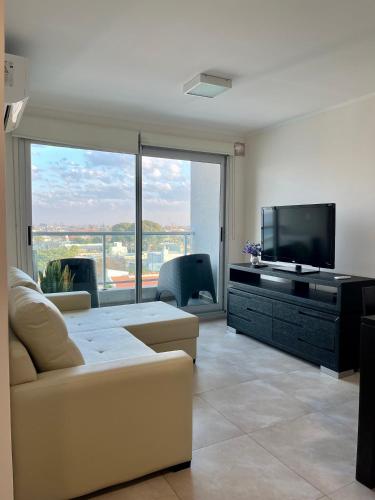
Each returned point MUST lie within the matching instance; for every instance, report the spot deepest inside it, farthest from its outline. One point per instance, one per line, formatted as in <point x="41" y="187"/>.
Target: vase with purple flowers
<point x="254" y="250"/>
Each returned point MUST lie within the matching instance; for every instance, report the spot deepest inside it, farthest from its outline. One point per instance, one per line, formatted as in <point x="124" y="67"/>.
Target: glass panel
<point x="181" y="216"/>
<point x="83" y="205"/>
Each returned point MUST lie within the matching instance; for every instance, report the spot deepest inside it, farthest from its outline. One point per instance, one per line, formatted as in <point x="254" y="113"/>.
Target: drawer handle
<point x="314" y="317"/>
<point x="248" y="320"/>
<point x="288" y="322"/>
<point x="314" y="345"/>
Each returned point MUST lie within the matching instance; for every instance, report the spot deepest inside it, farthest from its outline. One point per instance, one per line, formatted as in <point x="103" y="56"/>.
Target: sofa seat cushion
<point x="16" y="277"/>
<point x="109" y="344"/>
<point x="41" y="328"/>
<point x="150" y="322"/>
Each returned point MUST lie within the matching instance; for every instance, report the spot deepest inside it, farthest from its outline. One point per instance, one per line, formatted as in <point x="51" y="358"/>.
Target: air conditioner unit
<point x="15" y="90"/>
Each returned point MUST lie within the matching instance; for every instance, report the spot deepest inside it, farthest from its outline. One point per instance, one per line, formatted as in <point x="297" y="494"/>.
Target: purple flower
<point x="254" y="249"/>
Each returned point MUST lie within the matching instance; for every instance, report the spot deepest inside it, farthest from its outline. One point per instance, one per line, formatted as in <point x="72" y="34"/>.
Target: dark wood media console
<point x="313" y="316"/>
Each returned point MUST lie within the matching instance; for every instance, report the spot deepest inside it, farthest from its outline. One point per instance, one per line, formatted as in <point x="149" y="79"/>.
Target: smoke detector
<point x="207" y="85"/>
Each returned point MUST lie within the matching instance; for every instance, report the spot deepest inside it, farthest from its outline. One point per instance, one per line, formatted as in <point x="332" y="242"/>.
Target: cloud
<point x="155" y="173"/>
<point x="101" y="186"/>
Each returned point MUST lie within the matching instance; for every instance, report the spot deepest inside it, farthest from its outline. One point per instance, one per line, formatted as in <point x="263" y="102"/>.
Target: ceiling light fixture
<point x="207" y="85"/>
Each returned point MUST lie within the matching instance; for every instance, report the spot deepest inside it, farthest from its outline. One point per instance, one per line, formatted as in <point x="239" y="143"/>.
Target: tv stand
<point x="297" y="270"/>
<point x="313" y="316"/>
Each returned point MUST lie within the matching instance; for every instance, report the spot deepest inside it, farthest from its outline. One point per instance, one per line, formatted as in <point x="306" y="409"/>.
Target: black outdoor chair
<point x="184" y="277"/>
<point x="84" y="271"/>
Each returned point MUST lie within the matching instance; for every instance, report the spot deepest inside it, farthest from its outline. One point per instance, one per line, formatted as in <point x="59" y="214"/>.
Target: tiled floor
<point x="267" y="426"/>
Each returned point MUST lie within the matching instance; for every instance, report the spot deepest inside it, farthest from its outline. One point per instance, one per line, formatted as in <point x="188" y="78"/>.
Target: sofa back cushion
<point x="41" y="327"/>
<point x="21" y="367"/>
<point x="16" y="277"/>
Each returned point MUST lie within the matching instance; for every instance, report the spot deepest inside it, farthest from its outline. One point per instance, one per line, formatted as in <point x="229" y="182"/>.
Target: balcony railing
<point x="103" y="247"/>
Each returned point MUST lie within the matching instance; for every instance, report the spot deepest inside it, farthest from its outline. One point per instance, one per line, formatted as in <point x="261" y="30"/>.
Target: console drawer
<point x="258" y="326"/>
<point x="313" y="335"/>
<point x="246" y="305"/>
<point x="318" y="332"/>
<point x="294" y="313"/>
<point x="286" y="312"/>
<point x="285" y="333"/>
<point x="294" y="339"/>
<point x="315" y="327"/>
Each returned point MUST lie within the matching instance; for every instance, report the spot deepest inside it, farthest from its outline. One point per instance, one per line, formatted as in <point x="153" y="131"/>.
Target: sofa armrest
<point x="84" y="428"/>
<point x="70" y="301"/>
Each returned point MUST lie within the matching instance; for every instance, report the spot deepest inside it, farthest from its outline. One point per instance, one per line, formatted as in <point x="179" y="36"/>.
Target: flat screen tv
<point x="301" y="234"/>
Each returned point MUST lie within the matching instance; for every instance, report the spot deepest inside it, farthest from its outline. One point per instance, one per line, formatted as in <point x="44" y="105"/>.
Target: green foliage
<point x="124" y="226"/>
<point x="55" y="279"/>
<point x="147" y="225"/>
<point x="44" y="255"/>
<point x="149" y="242"/>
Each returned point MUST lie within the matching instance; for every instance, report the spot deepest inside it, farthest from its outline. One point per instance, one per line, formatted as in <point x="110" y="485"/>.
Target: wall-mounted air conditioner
<point x="15" y="90"/>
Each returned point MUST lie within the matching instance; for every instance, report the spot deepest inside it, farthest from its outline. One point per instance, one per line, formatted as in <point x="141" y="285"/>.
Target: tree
<point x="149" y="242"/>
<point x="124" y="227"/>
<point x="147" y="226"/>
<point x="45" y="255"/>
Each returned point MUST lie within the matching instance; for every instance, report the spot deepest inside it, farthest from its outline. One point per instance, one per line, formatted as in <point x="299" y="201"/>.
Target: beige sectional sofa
<point x="119" y="411"/>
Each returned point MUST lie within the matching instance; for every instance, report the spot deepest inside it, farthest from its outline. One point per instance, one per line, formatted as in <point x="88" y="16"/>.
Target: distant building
<point x="119" y="249"/>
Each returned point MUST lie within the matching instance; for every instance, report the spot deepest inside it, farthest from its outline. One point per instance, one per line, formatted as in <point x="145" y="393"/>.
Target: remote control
<point x="341" y="277"/>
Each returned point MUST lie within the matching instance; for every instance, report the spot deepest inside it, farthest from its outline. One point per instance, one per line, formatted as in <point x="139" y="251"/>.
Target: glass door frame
<point x="24" y="155"/>
<point x="24" y="217"/>
<point x="199" y="157"/>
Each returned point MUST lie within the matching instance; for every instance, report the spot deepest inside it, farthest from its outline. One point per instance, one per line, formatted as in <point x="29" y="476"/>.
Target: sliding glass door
<point x="83" y="206"/>
<point x="138" y="218"/>
<point x="182" y="216"/>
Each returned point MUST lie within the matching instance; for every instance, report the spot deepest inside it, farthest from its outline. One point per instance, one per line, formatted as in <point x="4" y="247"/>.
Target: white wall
<point x="329" y="157"/>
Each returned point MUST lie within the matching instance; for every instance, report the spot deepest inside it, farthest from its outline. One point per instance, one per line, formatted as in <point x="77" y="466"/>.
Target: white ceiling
<point x="129" y="58"/>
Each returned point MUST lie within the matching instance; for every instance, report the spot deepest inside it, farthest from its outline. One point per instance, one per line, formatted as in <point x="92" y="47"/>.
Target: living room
<point x="164" y="341"/>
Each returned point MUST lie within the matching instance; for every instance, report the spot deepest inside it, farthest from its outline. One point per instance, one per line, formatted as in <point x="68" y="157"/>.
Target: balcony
<point x="114" y="253"/>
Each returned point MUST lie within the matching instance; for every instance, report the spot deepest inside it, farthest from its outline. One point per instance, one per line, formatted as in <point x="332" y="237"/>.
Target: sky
<point x="78" y="187"/>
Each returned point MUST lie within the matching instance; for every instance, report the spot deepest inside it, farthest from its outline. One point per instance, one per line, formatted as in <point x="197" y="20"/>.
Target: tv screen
<point x="303" y="234"/>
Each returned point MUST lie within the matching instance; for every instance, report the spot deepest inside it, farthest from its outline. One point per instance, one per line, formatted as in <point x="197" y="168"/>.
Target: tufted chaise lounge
<point x="156" y="324"/>
<point x="125" y="412"/>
